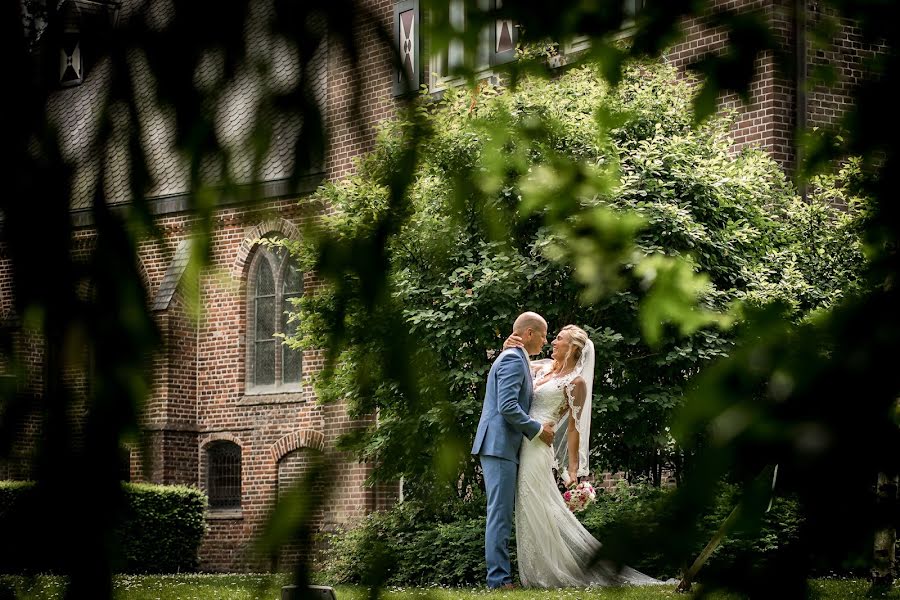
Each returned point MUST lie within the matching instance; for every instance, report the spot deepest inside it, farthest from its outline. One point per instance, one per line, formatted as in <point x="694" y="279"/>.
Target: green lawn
<point x="267" y="587"/>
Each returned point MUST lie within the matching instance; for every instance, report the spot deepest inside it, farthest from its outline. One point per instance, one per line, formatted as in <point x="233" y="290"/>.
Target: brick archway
<point x="302" y="438"/>
<point x="294" y="459"/>
<point x="252" y="237"/>
<point x="221" y="437"/>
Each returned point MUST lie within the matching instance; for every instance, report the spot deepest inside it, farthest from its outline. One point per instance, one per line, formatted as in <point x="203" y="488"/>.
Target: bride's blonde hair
<point x="578" y="339"/>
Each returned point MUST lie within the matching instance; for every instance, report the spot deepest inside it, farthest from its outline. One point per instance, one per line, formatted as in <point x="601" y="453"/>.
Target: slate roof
<point x="75" y="112"/>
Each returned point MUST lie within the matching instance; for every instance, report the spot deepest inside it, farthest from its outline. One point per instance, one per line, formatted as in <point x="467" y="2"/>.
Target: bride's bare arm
<point x="513" y="341"/>
<point x="579" y="392"/>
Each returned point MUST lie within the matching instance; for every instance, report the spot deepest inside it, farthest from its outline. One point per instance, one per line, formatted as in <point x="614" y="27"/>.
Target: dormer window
<point x="71" y="63"/>
<point x="82" y="21"/>
<point x="496" y="46"/>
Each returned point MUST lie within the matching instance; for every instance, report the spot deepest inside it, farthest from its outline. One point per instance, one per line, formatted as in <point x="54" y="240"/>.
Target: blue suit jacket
<point x="504" y="416"/>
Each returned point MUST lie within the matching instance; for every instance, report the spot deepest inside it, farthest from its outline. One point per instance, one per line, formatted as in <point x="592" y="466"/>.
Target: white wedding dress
<point x="554" y="549"/>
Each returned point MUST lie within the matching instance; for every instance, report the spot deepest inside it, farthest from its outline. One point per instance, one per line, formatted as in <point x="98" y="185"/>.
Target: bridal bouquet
<point x="579" y="497"/>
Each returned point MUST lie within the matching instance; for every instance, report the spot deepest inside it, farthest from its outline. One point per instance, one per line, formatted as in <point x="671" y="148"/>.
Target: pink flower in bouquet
<point x="580" y="497"/>
<point x="588" y="490"/>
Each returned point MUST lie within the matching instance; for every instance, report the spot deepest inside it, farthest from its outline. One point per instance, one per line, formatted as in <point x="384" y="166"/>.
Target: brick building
<point x="232" y="410"/>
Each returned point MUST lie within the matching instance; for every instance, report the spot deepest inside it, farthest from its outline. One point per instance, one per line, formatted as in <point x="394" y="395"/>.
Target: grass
<point x="268" y="587"/>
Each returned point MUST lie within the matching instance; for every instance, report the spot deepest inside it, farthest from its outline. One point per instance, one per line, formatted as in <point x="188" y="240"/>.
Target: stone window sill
<point x="223" y="514"/>
<point x="276" y="395"/>
<point x="439" y="85"/>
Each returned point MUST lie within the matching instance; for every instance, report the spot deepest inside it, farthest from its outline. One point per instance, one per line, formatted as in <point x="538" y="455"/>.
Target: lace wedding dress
<point x="554" y="549"/>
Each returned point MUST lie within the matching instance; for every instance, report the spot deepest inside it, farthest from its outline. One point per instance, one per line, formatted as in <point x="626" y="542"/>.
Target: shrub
<point x="411" y="545"/>
<point x="404" y="547"/>
<point x="637" y="510"/>
<point x="159" y="530"/>
<point x="162" y="528"/>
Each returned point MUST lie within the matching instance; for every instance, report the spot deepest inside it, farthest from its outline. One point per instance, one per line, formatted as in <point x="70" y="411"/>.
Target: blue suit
<point x="504" y="420"/>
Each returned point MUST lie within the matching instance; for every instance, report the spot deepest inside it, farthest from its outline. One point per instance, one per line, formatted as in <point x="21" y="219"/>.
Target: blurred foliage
<point x="97" y="348"/>
<point x="816" y="397"/>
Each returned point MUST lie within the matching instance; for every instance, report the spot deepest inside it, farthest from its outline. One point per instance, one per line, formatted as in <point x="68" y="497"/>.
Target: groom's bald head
<point x="532" y="328"/>
<point x="529" y="319"/>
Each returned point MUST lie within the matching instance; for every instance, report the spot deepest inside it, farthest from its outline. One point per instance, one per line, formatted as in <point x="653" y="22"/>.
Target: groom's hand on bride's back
<point x="546" y="433"/>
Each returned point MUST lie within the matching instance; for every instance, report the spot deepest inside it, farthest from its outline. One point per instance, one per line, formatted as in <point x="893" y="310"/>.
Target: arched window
<point x="223" y="475"/>
<point x="274" y="280"/>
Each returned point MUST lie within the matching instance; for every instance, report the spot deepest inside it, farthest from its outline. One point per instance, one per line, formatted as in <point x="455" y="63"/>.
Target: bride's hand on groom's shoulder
<point x="513" y="341"/>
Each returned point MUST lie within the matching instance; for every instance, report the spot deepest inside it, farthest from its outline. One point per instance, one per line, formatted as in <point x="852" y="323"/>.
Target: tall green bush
<point x="160" y="528"/>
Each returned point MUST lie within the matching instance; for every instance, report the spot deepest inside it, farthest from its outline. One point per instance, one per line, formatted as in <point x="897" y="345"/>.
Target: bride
<point x="554" y="549"/>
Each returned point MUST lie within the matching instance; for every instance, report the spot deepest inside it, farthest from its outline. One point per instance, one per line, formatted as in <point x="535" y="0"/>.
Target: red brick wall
<point x="28" y="348"/>
<point x="201" y="393"/>
<point x="352" y="135"/>
<point x="767" y="121"/>
<point x="846" y="52"/>
<point x="258" y="422"/>
<point x="217" y="402"/>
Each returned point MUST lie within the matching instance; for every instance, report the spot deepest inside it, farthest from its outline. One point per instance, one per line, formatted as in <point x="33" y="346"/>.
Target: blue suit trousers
<point x="500" y="484"/>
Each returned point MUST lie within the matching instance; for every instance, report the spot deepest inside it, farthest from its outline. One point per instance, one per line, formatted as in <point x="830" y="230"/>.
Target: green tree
<point x="677" y="200"/>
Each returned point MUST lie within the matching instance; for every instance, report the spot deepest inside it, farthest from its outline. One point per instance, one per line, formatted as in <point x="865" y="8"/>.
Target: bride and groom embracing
<point x="526" y="404"/>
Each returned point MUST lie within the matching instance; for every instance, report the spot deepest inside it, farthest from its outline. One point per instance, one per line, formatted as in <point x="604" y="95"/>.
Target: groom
<point x="504" y="419"/>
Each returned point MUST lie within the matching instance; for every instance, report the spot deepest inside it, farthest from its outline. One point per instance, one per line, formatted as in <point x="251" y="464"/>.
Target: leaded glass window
<point x="293" y="289"/>
<point x="275" y="281"/>
<point x="265" y="341"/>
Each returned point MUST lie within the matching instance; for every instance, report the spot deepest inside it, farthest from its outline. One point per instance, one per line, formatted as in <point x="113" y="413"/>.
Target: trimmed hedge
<point x="163" y="528"/>
<point x="159" y="531"/>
